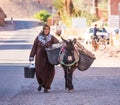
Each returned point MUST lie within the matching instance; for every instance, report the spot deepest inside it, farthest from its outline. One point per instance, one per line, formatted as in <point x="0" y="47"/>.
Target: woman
<point x="44" y="70"/>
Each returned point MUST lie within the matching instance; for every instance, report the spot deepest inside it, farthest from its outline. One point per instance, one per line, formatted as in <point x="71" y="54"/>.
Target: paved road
<point x="12" y="80"/>
<point x="15" y="45"/>
<point x="19" y="42"/>
<point x="96" y="86"/>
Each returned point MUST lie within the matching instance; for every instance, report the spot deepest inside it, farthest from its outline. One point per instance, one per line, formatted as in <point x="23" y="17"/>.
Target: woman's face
<point x="46" y="30"/>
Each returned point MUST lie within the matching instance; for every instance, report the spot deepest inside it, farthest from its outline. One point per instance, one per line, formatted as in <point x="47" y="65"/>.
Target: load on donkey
<point x="70" y="55"/>
<point x="2" y="17"/>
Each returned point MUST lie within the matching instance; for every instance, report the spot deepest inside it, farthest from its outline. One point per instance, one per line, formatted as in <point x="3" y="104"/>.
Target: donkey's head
<point x="70" y="55"/>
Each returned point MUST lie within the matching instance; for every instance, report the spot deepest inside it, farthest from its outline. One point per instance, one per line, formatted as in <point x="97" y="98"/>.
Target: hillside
<point x="22" y="8"/>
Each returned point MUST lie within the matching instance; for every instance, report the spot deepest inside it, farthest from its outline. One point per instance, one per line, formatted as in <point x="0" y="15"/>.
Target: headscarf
<point x="44" y="38"/>
<point x="42" y="32"/>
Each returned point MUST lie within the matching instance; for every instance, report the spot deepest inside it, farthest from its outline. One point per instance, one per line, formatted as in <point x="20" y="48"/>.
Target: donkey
<point x="68" y="59"/>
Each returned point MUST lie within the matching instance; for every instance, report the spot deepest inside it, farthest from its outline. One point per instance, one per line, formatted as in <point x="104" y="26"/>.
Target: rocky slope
<point x="22" y="8"/>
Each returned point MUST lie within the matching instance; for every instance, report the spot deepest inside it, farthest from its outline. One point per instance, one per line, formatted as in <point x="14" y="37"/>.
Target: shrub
<point x="42" y="15"/>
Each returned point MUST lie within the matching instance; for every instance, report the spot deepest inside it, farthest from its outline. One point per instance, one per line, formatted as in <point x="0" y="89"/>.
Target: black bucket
<point x="29" y="72"/>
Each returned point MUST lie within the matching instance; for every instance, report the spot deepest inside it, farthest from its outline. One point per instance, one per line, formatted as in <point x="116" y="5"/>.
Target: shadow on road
<point x="20" y="24"/>
<point x="13" y="41"/>
<point x="14" y="47"/>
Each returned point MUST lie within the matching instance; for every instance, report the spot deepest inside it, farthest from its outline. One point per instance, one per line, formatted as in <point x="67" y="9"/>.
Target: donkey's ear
<point x="63" y="39"/>
<point x="74" y="40"/>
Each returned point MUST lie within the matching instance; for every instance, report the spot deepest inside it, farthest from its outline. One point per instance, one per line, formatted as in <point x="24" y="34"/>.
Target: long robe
<point x="44" y="70"/>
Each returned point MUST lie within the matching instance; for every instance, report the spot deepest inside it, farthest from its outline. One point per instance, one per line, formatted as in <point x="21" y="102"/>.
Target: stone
<point x="2" y="17"/>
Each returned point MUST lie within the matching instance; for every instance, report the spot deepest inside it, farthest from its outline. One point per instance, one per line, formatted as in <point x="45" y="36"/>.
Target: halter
<point x="68" y="65"/>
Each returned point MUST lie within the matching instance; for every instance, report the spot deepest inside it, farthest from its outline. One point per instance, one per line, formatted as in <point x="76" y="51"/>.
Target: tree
<point x="69" y="6"/>
<point x="38" y="1"/>
<point x="96" y="6"/>
<point x="65" y="6"/>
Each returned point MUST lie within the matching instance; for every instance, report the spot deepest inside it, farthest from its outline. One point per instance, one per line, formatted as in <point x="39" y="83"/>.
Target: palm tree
<point x="38" y="1"/>
<point x="96" y="7"/>
<point x="69" y="6"/>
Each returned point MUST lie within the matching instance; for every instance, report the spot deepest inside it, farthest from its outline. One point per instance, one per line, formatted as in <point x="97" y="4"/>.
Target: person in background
<point x="58" y="29"/>
<point x="95" y="32"/>
<point x="44" y="70"/>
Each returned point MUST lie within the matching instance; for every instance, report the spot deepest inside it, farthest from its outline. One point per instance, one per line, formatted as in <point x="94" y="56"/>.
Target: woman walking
<point x="44" y="70"/>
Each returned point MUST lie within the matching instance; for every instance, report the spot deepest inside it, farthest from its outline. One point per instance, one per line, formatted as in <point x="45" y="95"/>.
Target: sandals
<point x="39" y="88"/>
<point x="46" y="91"/>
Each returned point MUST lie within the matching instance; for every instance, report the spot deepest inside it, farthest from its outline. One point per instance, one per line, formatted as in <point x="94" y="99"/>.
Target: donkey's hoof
<point x="70" y="91"/>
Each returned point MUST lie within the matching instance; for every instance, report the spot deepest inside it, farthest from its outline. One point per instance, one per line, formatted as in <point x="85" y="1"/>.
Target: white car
<point x="87" y="35"/>
<point x="102" y="32"/>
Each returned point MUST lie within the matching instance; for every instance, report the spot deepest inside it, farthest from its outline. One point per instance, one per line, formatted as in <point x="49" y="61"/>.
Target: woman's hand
<point x="31" y="59"/>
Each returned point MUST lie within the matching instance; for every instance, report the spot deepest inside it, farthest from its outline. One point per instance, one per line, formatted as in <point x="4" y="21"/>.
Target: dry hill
<point x="22" y="8"/>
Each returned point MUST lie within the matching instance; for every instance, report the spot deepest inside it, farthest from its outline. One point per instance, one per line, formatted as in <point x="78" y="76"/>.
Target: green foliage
<point x="90" y="17"/>
<point x="42" y="15"/>
<point x="79" y="4"/>
<point x="103" y="5"/>
<point x="66" y="19"/>
<point x="81" y="9"/>
<point x="58" y="4"/>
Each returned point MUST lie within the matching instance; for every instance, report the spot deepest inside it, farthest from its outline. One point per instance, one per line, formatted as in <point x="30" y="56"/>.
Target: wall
<point x="114" y="7"/>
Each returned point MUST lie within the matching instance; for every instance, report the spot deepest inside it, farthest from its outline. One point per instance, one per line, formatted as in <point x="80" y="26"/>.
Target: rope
<point x="61" y="62"/>
<point x="75" y="78"/>
<point x="69" y="64"/>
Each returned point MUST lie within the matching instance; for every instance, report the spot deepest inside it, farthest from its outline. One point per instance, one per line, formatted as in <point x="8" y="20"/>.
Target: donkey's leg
<point x="70" y="80"/>
<point x="66" y="81"/>
<point x="70" y="74"/>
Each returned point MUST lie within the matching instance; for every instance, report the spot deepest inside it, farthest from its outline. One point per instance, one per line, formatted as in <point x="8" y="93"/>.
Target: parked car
<point x="101" y="33"/>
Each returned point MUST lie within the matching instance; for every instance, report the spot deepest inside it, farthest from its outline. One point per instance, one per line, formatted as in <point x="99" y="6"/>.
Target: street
<point x="99" y="85"/>
<point x="12" y="80"/>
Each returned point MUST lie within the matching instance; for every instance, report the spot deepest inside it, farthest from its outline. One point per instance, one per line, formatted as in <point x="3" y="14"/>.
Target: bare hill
<point x="22" y="8"/>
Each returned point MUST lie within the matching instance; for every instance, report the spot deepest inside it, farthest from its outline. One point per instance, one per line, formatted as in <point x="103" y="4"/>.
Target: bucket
<point x="29" y="71"/>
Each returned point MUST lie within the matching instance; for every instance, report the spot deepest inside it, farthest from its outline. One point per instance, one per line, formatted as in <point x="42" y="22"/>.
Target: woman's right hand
<point x="31" y="59"/>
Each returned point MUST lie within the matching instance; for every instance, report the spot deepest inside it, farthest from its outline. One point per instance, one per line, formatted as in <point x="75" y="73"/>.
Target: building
<point x="114" y="13"/>
<point x="113" y="7"/>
